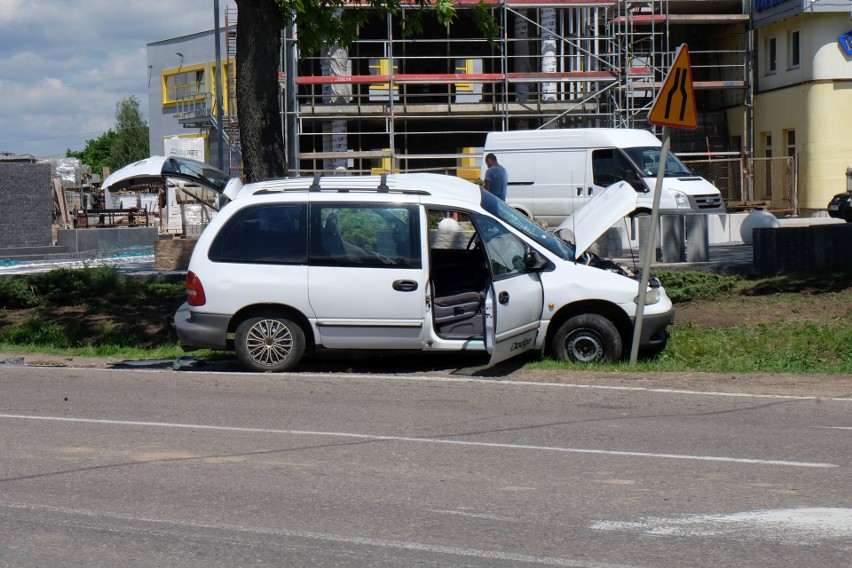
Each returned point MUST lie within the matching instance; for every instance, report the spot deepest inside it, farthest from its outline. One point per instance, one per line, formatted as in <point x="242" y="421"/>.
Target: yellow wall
<point x="821" y="115"/>
<point x="826" y="147"/>
<point x="814" y="99"/>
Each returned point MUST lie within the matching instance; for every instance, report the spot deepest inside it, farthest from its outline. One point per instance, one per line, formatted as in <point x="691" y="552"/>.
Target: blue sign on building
<point x="846" y="42"/>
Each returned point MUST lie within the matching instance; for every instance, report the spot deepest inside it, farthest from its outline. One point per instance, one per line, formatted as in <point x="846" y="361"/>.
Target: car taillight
<point x="194" y="290"/>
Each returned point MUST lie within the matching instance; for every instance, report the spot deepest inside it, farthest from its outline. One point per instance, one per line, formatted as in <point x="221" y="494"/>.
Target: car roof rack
<point x="336" y="184"/>
<point x="383" y="183"/>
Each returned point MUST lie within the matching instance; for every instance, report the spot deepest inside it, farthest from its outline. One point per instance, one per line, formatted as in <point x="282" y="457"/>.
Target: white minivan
<point x="554" y="172"/>
<point x="396" y="263"/>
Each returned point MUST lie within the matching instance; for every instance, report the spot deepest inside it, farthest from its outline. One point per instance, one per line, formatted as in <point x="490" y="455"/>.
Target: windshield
<point x="205" y="174"/>
<point x="520" y="222"/>
<point x="648" y="160"/>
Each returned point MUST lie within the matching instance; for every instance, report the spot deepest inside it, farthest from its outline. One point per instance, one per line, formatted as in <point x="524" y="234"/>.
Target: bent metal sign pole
<point x="674" y="107"/>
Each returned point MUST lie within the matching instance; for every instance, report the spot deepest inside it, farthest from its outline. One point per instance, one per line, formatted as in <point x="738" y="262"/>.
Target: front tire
<point x="587" y="338"/>
<point x="269" y="344"/>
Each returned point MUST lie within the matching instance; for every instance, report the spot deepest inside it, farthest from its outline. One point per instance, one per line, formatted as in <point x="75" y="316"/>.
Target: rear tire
<point x="587" y="338"/>
<point x="269" y="344"/>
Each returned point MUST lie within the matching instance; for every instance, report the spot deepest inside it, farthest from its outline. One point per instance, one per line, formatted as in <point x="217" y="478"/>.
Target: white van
<point x="409" y="262"/>
<point x="553" y="173"/>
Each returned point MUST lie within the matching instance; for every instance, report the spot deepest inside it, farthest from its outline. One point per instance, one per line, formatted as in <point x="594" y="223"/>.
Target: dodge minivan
<point x="396" y="263"/>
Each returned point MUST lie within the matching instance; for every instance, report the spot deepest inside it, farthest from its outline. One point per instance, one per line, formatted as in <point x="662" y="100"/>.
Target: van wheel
<point x="269" y="343"/>
<point x="587" y="338"/>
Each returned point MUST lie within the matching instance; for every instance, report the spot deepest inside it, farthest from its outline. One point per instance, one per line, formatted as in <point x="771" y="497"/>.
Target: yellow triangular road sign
<point x="675" y="103"/>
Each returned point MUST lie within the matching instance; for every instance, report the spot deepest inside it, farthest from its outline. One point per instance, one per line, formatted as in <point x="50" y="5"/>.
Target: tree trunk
<point x="258" y="44"/>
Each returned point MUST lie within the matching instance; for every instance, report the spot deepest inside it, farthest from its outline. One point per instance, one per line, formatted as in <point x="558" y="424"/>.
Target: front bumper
<point x="654" y="329"/>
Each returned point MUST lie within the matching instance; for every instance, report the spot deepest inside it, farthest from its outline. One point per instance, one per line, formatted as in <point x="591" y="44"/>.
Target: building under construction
<point x="389" y="103"/>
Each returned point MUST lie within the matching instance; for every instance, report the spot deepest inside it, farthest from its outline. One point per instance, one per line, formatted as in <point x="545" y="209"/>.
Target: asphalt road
<point x="130" y="468"/>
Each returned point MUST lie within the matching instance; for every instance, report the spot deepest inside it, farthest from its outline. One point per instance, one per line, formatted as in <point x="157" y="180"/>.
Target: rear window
<point x="265" y="234"/>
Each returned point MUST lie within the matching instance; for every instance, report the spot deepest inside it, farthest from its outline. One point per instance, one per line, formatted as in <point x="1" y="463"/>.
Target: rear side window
<point x="266" y="234"/>
<point x="379" y="235"/>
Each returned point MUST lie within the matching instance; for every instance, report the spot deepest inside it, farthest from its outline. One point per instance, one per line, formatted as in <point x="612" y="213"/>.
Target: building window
<point x="771" y="55"/>
<point x="183" y="84"/>
<point x="794" y="55"/>
<point x="736" y="143"/>
<point x="790" y="136"/>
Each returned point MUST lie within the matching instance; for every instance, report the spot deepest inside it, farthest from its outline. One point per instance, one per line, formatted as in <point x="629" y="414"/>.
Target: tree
<point x="131" y="134"/>
<point x="320" y="22"/>
<point x="97" y="152"/>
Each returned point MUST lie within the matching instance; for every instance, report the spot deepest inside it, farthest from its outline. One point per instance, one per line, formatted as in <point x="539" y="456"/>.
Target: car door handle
<point x="503" y="298"/>
<point x="579" y="192"/>
<point x="405" y="285"/>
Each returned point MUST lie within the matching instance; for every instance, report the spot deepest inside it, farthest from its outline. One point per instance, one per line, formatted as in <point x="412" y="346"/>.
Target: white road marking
<point x="379" y="438"/>
<point x="804" y="526"/>
<point x="472" y="515"/>
<point x="326" y="537"/>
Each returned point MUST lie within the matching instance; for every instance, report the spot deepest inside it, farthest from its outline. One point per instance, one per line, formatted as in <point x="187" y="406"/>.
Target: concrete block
<point x="797" y="249"/>
<point x="173" y="254"/>
<point x="26" y="204"/>
<point x="110" y="238"/>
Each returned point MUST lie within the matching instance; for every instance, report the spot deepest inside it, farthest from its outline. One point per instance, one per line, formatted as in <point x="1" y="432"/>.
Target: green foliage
<point x="86" y="286"/>
<point x="35" y="331"/>
<point x="117" y="148"/>
<point x="131" y="134"/>
<point x="362" y="227"/>
<point x="788" y="346"/>
<point x="17" y="294"/>
<point x="97" y="152"/>
<point x="324" y="22"/>
<point x="683" y="286"/>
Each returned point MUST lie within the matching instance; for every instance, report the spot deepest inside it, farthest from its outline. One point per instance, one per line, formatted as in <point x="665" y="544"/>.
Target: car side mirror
<point x="533" y="260"/>
<point x="632" y="177"/>
<point x="566" y="235"/>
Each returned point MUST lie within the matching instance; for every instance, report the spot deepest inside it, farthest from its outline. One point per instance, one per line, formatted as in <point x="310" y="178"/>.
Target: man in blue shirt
<point x="496" y="177"/>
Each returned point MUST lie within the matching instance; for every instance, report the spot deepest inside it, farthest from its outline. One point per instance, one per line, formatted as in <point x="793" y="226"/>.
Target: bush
<point x="683" y="286"/>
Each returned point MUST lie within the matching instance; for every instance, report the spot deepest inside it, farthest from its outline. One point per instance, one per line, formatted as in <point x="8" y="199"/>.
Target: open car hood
<point x="157" y="169"/>
<point x="599" y="214"/>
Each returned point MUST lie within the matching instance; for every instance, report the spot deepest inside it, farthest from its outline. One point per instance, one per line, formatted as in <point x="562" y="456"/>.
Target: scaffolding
<point x="392" y="104"/>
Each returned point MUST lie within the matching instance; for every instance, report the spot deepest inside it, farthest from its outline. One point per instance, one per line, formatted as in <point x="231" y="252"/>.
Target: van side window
<point x="365" y="234"/>
<point x="609" y="167"/>
<point x="270" y="234"/>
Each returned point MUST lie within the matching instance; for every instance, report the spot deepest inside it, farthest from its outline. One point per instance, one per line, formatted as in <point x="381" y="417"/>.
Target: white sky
<point x="64" y="65"/>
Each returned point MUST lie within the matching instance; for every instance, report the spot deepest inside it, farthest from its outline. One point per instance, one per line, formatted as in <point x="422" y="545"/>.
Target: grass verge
<point x="792" y="323"/>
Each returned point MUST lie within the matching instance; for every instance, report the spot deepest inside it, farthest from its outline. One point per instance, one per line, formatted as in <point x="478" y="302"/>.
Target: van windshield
<point x="525" y="225"/>
<point x="648" y="160"/>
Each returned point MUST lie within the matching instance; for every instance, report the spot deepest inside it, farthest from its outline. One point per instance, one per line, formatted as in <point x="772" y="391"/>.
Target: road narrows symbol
<point x="677" y="90"/>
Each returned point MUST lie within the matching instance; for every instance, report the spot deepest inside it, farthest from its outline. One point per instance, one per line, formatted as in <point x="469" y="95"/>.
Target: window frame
<point x="794" y="49"/>
<point x="771" y="55"/>
<point x="170" y="96"/>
